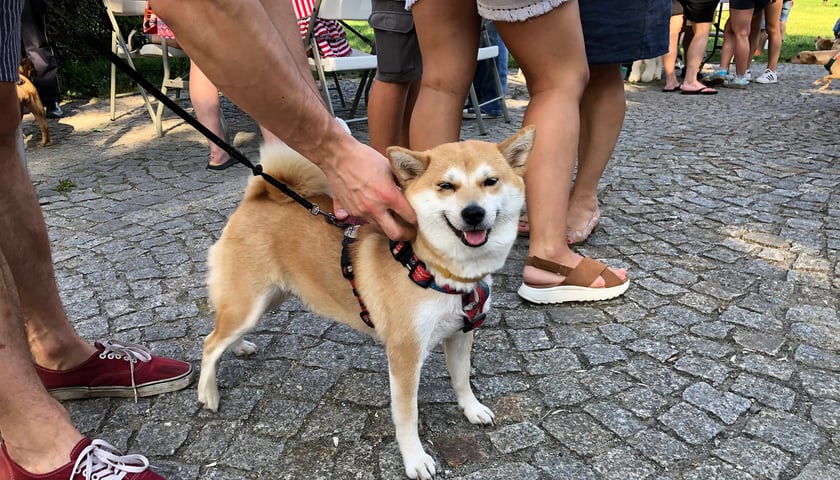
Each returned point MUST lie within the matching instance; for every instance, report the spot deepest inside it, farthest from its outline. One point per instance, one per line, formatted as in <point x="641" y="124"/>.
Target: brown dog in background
<point x="30" y="100"/>
<point x="830" y="59"/>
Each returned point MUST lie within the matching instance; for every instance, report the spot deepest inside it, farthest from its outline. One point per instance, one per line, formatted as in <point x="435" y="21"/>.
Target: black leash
<point x="256" y="170"/>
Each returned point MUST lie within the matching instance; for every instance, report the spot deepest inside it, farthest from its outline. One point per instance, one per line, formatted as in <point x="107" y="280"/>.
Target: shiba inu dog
<point x="410" y="296"/>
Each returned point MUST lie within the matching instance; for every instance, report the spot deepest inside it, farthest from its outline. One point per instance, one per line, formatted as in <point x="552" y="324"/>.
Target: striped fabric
<point x="10" y="39"/>
<point x="332" y="41"/>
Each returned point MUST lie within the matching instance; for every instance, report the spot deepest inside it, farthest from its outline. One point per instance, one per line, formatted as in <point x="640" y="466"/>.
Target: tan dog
<point x="30" y="100"/>
<point x="467" y="197"/>
<point x="829" y="58"/>
<point x="823" y="43"/>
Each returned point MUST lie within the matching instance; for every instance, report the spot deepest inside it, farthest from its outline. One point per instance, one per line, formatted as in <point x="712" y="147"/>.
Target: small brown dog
<point x="30" y="100"/>
<point x="823" y="43"/>
<point x="828" y="58"/>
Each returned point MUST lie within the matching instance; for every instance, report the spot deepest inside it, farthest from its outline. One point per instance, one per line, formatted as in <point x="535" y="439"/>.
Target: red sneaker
<point x="90" y="459"/>
<point x="118" y="369"/>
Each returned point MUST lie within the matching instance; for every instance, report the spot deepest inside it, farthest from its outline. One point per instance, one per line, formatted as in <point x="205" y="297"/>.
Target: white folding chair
<point x="488" y="53"/>
<point x="178" y="82"/>
<point x="136" y="8"/>
<point x="358" y="60"/>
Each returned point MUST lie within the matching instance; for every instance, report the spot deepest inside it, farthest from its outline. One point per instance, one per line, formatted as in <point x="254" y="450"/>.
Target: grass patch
<point x="65" y="186"/>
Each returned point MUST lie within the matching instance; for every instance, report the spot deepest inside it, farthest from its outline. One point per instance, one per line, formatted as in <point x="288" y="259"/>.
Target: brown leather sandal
<point x="575" y="286"/>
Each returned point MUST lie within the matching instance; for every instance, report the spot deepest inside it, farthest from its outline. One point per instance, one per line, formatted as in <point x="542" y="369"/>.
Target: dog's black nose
<point x="473" y="215"/>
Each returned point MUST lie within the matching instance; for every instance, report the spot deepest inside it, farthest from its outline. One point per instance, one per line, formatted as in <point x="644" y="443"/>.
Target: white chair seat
<point x="156" y="51"/>
<point x="357" y="60"/>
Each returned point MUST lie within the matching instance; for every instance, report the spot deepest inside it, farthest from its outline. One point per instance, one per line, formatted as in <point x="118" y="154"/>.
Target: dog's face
<point x="807" y="58"/>
<point x="26" y="68"/>
<point x="467" y="195"/>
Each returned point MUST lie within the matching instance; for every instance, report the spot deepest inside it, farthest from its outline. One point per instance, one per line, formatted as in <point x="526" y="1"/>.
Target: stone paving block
<point x="761" y="365"/>
<point x="754" y="320"/>
<point x="659" y="447"/>
<point x="551" y="361"/>
<point x="560" y="466"/>
<point x="767" y="392"/>
<point x="604" y="382"/>
<point x="619" y="420"/>
<point x="617" y="333"/>
<point x="660" y="379"/>
<point x="522" y="471"/>
<point x="690" y="424"/>
<point x="621" y="464"/>
<point x="530" y="340"/>
<point x="826" y="414"/>
<point x="578" y="432"/>
<point x="703" y="368"/>
<point x="818" y="335"/>
<point x="714" y="469"/>
<point x="821" y="384"/>
<point x="725" y="406"/>
<point x="658" y="350"/>
<point x="786" y="431"/>
<point x="512" y="438"/>
<point x="818" y="470"/>
<point x="760" y="341"/>
<point x="714" y="330"/>
<point x="816" y="357"/>
<point x="756" y="458"/>
<point x="643" y="402"/>
<point x="562" y="390"/>
<point x="600" y="353"/>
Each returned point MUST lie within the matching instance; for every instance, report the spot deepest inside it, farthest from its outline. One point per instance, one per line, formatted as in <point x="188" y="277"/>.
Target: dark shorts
<point x="676" y="8"/>
<point x="756" y="5"/>
<point x="699" y="11"/>
<point x="10" y="39"/>
<point x="397" y="51"/>
<point x="635" y="31"/>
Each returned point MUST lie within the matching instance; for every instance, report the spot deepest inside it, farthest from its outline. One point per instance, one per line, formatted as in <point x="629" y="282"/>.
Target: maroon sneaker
<point x="90" y="459"/>
<point x="118" y="369"/>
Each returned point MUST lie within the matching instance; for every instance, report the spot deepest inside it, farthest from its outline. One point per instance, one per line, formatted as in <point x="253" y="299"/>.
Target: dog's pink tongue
<point x="475" y="237"/>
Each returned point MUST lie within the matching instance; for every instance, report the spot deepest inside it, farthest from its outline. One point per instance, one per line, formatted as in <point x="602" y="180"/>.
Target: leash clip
<point x="315" y="210"/>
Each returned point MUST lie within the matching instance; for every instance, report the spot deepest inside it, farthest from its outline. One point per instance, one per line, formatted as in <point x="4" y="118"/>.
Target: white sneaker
<point x="748" y="74"/>
<point x="769" y="76"/>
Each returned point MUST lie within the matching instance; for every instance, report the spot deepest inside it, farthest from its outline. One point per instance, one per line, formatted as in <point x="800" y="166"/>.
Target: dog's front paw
<point x="244" y="347"/>
<point x="208" y="392"/>
<point x="421" y="466"/>
<point x="478" y="414"/>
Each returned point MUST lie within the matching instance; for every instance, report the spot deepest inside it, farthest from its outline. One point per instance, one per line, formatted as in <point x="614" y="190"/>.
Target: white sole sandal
<point x="575" y="287"/>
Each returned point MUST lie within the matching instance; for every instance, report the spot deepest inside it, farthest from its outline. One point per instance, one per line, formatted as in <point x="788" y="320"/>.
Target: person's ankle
<point x="40" y="457"/>
<point x="59" y="353"/>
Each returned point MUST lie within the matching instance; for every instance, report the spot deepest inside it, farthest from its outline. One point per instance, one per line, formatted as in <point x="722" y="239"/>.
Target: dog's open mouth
<point x="471" y="238"/>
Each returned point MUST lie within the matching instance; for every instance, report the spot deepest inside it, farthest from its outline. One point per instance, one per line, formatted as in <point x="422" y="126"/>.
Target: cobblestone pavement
<point x="722" y="361"/>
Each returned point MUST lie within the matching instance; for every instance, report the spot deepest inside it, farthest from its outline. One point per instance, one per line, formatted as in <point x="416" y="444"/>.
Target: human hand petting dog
<point x="363" y="186"/>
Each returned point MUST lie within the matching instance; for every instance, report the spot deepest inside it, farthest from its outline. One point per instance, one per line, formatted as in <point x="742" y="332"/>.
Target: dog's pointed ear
<point x="517" y="148"/>
<point x="407" y="164"/>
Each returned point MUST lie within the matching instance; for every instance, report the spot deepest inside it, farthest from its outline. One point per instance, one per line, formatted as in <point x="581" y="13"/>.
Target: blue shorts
<point x="634" y="31"/>
<point x="786" y="6"/>
<point x="10" y="39"/>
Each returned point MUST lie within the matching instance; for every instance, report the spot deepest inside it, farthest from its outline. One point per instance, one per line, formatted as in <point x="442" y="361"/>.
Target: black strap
<point x="256" y="170"/>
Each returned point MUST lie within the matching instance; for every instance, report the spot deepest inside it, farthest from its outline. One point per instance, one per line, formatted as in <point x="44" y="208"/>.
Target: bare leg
<point x="670" y="59"/>
<point x="727" y="50"/>
<point x="772" y="16"/>
<point x="37" y="431"/>
<point x="23" y="240"/>
<point x="205" y="100"/>
<point x="602" y="111"/>
<point x="389" y="113"/>
<point x="740" y="21"/>
<point x="694" y="55"/>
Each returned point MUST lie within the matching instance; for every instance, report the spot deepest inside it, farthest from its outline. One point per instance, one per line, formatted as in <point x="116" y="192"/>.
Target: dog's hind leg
<point x="457" y="350"/>
<point x="40" y="114"/>
<point x="233" y="321"/>
<point x="404" y="365"/>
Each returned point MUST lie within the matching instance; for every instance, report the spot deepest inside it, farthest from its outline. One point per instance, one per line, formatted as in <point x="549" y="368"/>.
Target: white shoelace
<point x="101" y="461"/>
<point x="130" y="352"/>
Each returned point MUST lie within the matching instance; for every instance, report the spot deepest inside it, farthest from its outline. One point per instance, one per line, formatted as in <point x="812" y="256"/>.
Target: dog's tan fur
<point x="823" y="43"/>
<point x="272" y="247"/>
<point x="30" y="100"/>
<point x="820" y="57"/>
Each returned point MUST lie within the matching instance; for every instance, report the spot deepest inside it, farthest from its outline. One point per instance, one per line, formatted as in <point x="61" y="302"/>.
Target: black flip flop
<point x="699" y="91"/>
<point x="678" y="88"/>
<point x="223" y="166"/>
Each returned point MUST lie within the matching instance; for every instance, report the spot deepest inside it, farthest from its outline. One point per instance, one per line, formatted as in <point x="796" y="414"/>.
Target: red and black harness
<point x="472" y="301"/>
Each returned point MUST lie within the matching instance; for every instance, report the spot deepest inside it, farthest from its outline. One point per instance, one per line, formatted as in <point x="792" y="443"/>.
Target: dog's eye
<point x="446" y="186"/>
<point x="491" y="181"/>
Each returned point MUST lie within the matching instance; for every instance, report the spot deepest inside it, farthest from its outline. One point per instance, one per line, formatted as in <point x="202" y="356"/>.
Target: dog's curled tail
<point x="291" y="168"/>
